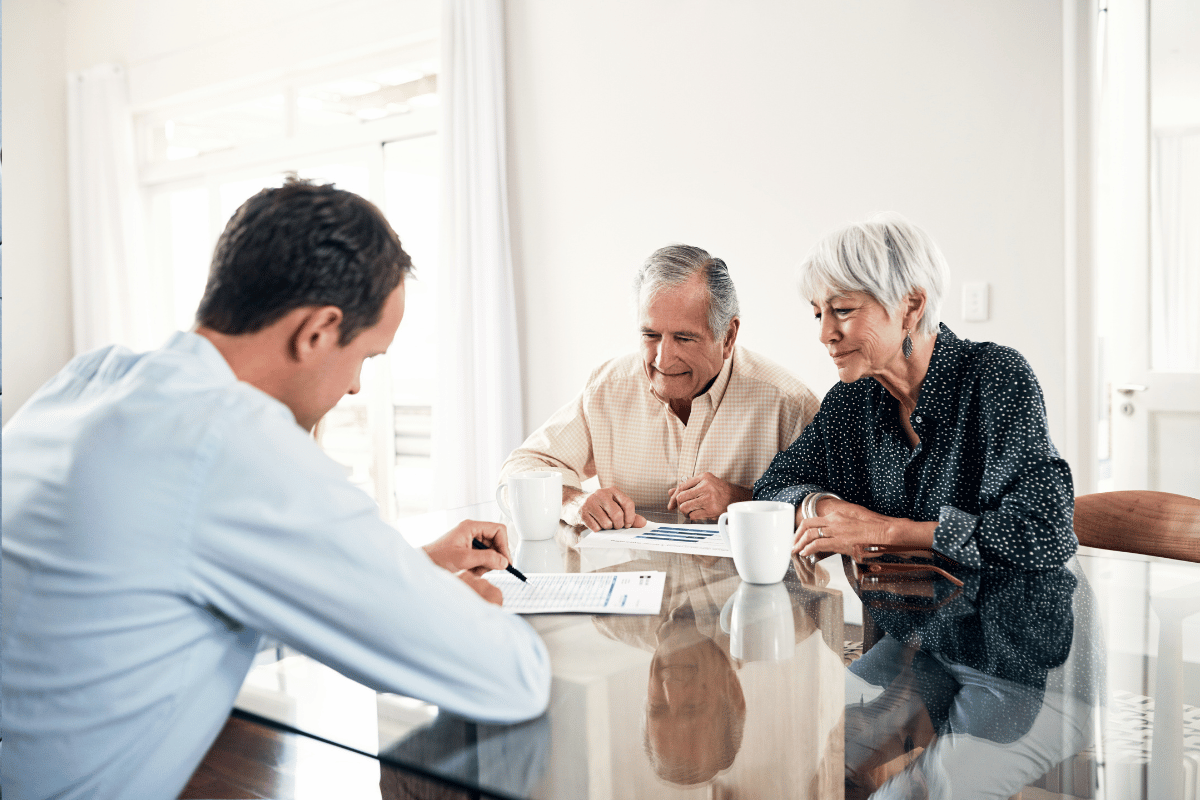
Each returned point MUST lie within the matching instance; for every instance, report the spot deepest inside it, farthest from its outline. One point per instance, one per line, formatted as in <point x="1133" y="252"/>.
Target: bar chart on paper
<point x="704" y="540"/>
<point x="588" y="592"/>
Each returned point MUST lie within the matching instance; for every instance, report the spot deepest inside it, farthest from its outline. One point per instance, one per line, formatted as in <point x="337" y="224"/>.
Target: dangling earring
<point x="907" y="346"/>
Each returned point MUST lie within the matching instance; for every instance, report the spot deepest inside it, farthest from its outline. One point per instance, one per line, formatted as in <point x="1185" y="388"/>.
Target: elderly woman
<point x="928" y="441"/>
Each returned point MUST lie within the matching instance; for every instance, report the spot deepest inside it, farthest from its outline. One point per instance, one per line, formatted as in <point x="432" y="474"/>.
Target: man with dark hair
<point x="164" y="511"/>
<point x="302" y="245"/>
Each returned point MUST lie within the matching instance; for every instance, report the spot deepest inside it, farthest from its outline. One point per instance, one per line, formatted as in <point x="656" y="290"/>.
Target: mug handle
<point x="500" y="500"/>
<point x="725" y="612"/>
<point x="723" y="525"/>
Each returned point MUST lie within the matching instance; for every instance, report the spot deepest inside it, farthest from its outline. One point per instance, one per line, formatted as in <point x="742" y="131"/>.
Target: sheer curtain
<point x="477" y="413"/>
<point x="116" y="296"/>
<point x="1175" y="251"/>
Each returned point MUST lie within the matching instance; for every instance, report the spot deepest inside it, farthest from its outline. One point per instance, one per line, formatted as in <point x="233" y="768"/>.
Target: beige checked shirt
<point x="618" y="430"/>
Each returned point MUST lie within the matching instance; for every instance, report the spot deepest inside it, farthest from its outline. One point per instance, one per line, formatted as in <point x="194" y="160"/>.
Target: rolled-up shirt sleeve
<point x="1026" y="500"/>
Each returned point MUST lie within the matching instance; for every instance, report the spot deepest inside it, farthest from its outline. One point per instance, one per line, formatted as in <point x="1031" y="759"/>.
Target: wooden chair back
<point x="1151" y="523"/>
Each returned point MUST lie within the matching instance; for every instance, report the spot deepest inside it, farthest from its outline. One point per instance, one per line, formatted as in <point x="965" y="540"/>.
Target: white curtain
<point x="116" y="296"/>
<point x="1175" y="252"/>
<point x="477" y="412"/>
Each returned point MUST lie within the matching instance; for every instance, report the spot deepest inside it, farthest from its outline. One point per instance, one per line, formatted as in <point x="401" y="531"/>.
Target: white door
<point x="1149" y="244"/>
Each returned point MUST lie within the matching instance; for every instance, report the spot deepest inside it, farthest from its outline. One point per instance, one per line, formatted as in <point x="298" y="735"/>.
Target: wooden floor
<point x="249" y="760"/>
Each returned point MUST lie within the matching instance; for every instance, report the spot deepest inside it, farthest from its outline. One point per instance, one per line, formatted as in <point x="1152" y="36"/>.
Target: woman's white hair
<point x="886" y="257"/>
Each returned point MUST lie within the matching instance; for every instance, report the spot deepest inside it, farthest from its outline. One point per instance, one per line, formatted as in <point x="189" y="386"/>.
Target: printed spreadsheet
<point x="588" y="592"/>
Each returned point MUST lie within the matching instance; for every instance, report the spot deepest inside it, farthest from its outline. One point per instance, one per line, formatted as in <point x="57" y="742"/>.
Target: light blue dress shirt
<point x="159" y="518"/>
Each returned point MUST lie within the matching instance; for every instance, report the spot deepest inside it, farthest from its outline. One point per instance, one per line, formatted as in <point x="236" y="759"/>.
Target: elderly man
<point x="164" y="511"/>
<point x="688" y="423"/>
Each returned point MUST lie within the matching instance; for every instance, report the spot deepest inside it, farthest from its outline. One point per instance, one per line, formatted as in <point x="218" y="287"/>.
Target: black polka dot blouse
<point x="985" y="468"/>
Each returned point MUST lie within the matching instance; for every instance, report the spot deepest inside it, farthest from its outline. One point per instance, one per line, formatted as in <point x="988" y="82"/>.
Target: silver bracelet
<point x="808" y="510"/>
<point x="808" y="506"/>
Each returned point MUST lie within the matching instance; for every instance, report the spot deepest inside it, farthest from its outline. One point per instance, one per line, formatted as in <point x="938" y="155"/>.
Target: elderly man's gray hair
<point x="674" y="265"/>
<point x="886" y="257"/>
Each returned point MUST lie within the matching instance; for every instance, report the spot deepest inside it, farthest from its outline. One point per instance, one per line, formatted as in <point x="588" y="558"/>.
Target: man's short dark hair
<point x="302" y="245"/>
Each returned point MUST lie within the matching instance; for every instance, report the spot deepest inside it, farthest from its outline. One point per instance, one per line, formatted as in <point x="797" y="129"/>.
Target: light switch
<point x="975" y="301"/>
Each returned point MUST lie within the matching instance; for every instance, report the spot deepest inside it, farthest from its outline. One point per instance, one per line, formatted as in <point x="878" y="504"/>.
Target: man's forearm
<point x="572" y="503"/>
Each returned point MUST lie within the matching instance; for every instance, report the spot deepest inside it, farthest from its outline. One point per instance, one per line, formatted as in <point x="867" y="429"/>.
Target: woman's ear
<point x="914" y="309"/>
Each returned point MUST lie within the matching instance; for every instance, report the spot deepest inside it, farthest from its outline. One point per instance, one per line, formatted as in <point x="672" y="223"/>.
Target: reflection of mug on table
<point x="536" y="499"/>
<point x="760" y="534"/>
<point x="759" y="622"/>
<point x="538" y="556"/>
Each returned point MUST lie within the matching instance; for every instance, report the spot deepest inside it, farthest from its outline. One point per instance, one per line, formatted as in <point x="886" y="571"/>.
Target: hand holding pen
<point x="478" y="545"/>
<point x="458" y="551"/>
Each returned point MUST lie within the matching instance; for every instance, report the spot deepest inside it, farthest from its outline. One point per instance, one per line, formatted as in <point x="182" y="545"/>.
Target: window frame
<point x="296" y="151"/>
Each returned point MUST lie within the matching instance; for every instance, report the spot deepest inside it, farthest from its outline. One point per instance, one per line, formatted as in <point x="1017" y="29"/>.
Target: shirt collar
<point x="943" y="369"/>
<point x="715" y="393"/>
<point x="194" y="344"/>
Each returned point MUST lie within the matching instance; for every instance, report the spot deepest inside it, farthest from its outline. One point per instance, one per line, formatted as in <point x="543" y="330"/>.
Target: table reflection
<point x="974" y="691"/>
<point x="716" y="665"/>
<point x="734" y="690"/>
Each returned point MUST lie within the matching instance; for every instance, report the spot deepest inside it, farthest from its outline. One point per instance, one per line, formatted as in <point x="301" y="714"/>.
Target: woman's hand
<point x="846" y="528"/>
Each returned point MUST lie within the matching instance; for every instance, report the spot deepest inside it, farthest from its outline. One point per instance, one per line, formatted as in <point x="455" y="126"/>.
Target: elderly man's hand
<point x="705" y="496"/>
<point x="455" y="553"/>
<point x="610" y="508"/>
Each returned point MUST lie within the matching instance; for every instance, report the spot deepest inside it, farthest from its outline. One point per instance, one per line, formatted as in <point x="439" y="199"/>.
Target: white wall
<point x="37" y="290"/>
<point x="751" y="129"/>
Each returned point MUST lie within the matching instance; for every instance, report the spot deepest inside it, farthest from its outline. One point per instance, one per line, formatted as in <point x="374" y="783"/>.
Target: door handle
<point x="1128" y="389"/>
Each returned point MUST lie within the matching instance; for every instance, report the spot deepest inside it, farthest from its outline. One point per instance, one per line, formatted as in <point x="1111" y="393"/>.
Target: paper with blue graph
<point x="704" y="540"/>
<point x="583" y="592"/>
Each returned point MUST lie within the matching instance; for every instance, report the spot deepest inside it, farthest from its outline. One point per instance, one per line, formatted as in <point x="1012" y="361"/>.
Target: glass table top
<point x="1049" y="680"/>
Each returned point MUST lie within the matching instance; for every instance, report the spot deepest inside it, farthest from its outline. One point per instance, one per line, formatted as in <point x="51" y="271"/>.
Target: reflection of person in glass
<point x="695" y="714"/>
<point x="996" y="682"/>
<point x="695" y="709"/>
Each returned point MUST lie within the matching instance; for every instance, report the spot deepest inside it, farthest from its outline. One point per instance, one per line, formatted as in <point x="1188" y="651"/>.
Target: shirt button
<point x="916" y="419"/>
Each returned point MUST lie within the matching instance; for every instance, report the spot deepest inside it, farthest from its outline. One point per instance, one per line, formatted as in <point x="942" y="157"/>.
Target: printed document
<point x="705" y="540"/>
<point x="587" y="592"/>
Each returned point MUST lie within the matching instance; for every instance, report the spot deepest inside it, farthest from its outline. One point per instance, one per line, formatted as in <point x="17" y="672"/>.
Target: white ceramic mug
<point x="759" y="622"/>
<point x="760" y="534"/>
<point x="536" y="499"/>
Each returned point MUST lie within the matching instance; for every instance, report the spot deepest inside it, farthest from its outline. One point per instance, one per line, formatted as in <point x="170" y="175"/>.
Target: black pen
<point x="478" y="545"/>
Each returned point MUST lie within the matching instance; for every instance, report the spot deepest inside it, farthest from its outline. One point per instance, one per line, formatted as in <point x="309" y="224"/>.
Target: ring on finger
<point x="821" y="533"/>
